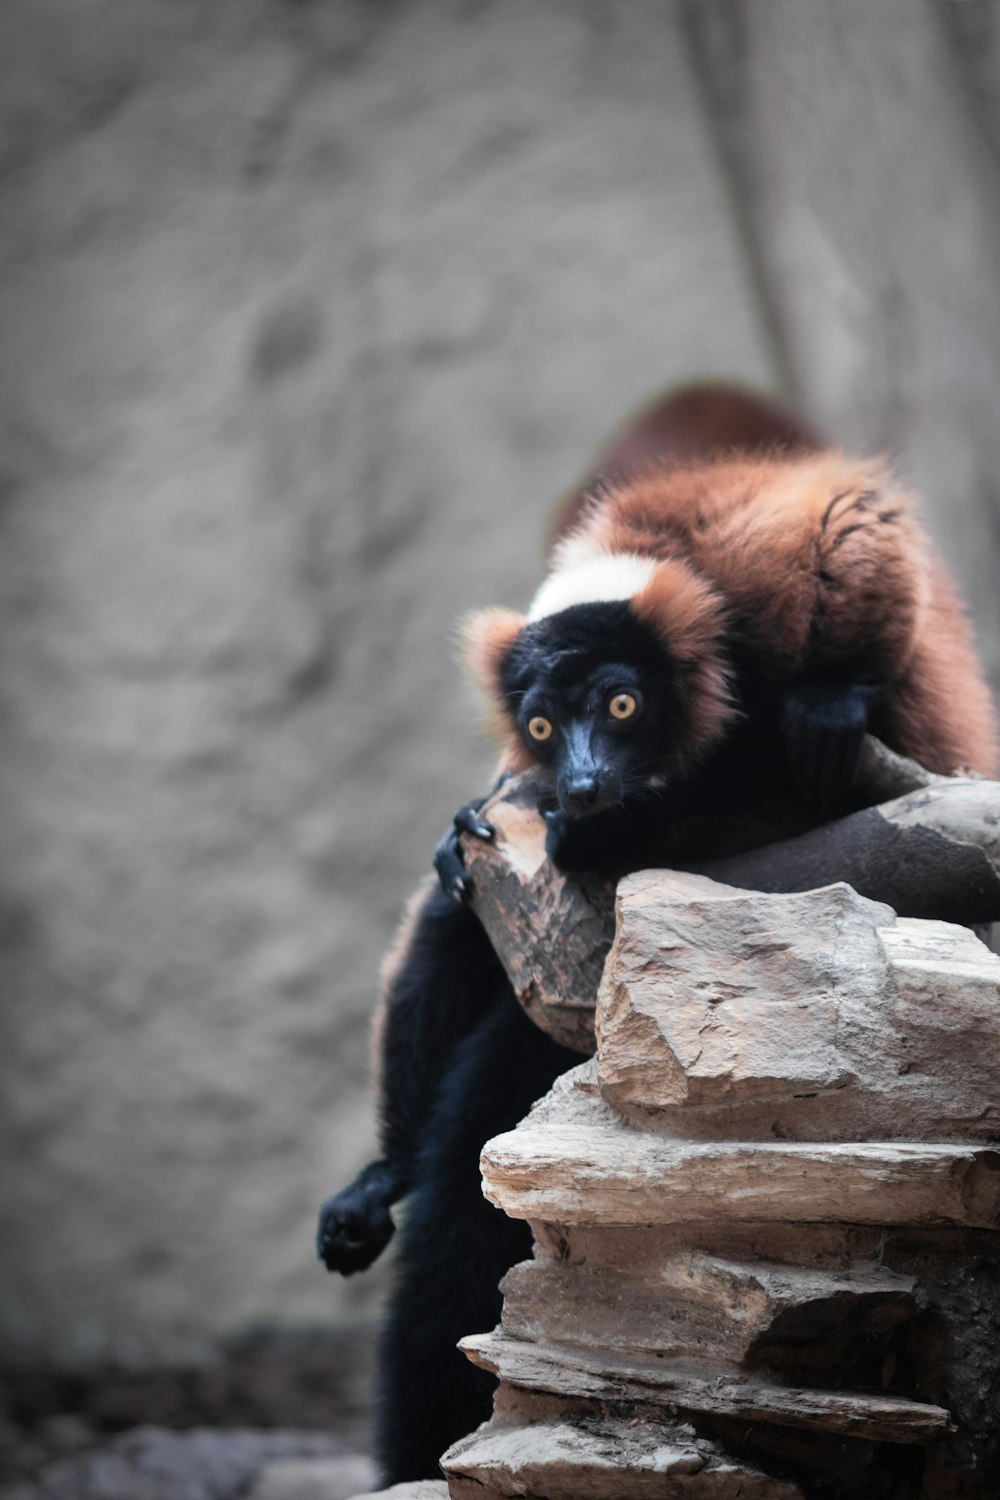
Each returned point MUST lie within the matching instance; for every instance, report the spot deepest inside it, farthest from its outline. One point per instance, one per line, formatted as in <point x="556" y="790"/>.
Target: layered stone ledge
<point x="766" y="1215"/>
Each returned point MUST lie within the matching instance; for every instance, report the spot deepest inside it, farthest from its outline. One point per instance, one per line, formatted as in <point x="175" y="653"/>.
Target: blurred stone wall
<point x="863" y="145"/>
<point x="308" y="312"/>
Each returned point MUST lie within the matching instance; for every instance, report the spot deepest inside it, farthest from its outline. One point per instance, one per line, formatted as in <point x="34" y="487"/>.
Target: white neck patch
<point x="601" y="580"/>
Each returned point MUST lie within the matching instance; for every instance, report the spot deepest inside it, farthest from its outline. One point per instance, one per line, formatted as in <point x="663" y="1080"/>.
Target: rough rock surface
<point x="690" y="1301"/>
<point x="819" y="1016"/>
<point x="590" y="1459"/>
<point x="309" y="311"/>
<point x="574" y="1161"/>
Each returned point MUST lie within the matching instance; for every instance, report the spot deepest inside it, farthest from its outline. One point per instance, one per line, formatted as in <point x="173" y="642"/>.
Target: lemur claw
<point x="449" y="861"/>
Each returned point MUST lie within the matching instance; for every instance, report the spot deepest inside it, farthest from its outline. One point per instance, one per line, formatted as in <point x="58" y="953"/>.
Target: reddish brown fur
<point x="688" y="424"/>
<point x="690" y="618"/>
<point x="816" y="556"/>
<point x="391" y="964"/>
<point x="487" y="636"/>
<point x="942" y="709"/>
<point x="798" y="547"/>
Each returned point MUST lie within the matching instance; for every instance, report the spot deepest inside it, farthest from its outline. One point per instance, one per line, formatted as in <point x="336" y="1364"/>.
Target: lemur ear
<point x="487" y="637"/>
<point x="688" y="616"/>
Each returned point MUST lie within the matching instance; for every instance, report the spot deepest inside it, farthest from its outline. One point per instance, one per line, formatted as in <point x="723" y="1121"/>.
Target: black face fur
<point x="567" y="669"/>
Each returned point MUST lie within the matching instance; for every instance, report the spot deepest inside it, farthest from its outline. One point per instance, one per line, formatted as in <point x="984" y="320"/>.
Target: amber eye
<point x="622" y="706"/>
<point x="539" y="728"/>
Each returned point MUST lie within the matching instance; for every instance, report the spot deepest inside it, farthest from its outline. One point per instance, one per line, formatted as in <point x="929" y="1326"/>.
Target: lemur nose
<point x="581" y="793"/>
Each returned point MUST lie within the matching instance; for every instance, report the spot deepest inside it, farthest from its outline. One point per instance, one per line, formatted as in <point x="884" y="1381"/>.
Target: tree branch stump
<point x="931" y="848"/>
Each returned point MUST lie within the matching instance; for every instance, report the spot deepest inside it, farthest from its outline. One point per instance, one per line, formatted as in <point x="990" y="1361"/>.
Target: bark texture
<point x="931" y="848"/>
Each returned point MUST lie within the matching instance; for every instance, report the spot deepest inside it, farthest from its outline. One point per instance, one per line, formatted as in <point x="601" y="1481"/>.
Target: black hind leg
<point x="456" y="1247"/>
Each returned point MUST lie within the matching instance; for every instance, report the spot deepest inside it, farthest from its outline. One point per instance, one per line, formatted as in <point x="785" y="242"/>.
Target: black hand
<point x="355" y="1224"/>
<point x="448" y="858"/>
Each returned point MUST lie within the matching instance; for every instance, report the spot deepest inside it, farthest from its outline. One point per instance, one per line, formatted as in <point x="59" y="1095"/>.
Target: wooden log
<point x="552" y="933"/>
<point x="931" y="851"/>
<point x="608" y="1377"/>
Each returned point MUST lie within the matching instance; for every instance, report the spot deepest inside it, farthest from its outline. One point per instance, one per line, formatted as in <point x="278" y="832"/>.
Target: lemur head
<point x="612" y="683"/>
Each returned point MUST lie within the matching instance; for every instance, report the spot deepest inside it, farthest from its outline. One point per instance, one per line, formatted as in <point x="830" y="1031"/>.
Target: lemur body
<point x="694" y="676"/>
<point x="768" y="610"/>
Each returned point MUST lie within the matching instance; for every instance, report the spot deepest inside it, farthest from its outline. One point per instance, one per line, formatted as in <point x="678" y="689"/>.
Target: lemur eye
<point x="539" y="728"/>
<point x="622" y="706"/>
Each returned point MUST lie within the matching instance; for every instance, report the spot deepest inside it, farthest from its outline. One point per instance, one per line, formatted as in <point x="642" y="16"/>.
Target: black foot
<point x="824" y="726"/>
<point x="448" y="859"/>
<point x="355" y="1224"/>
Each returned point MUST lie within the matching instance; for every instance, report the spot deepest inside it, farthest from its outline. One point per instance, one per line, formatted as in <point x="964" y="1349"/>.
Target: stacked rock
<point x="766" y="1215"/>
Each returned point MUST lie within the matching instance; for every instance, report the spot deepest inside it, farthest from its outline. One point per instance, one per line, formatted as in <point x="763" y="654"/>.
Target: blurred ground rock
<point x="416" y="1489"/>
<point x="150" y="1463"/>
<point x="314" y="1479"/>
<point x="309" y="311"/>
<point x="314" y="1379"/>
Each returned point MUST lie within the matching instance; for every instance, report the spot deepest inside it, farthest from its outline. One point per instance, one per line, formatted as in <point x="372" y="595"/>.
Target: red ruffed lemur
<point x="730" y="608"/>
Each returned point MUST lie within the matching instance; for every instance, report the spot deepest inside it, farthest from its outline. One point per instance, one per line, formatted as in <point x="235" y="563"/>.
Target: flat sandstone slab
<point x="587" y="1373"/>
<point x="693" y="1305"/>
<point x="571" y="1162"/>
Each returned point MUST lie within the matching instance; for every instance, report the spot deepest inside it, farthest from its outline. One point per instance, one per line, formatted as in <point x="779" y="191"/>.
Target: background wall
<point x="309" y="311"/>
